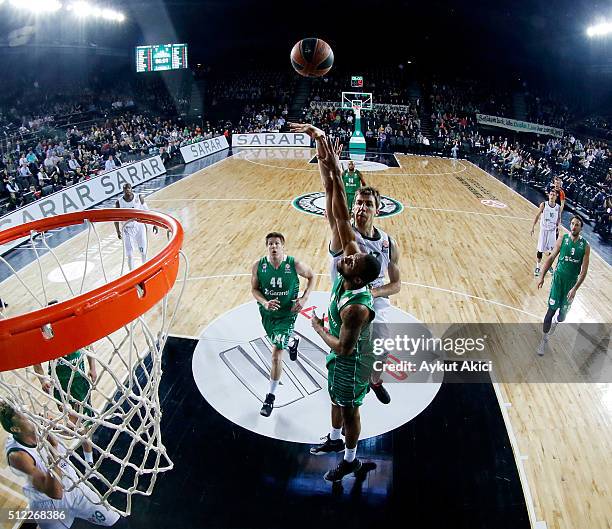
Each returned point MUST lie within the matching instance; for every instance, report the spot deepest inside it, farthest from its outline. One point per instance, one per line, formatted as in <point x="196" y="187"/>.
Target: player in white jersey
<point x="51" y="504"/>
<point x="549" y="215"/>
<point x="133" y="233"/>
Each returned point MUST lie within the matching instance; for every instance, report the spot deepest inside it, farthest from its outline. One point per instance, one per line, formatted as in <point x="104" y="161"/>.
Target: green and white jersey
<point x="71" y="363"/>
<point x="341" y="298"/>
<point x="571" y="256"/>
<point x="280" y="283"/>
<point x="351" y="181"/>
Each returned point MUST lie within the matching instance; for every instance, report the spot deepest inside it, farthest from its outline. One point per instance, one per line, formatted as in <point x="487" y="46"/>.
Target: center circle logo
<point x="231" y="368"/>
<point x="314" y="204"/>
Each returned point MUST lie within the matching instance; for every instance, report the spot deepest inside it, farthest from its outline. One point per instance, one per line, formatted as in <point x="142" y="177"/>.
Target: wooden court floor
<point x="461" y="261"/>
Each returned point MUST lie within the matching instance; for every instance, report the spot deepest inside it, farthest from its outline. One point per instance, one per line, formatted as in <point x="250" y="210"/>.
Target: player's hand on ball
<point x="273" y="304"/>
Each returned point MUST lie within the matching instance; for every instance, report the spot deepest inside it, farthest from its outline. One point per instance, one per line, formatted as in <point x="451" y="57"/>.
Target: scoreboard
<point x="161" y="57"/>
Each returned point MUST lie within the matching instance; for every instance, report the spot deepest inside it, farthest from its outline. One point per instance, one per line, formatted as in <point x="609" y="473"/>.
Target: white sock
<point x="88" y="456"/>
<point x="335" y="433"/>
<point x="273" y="386"/>
<point x="349" y="454"/>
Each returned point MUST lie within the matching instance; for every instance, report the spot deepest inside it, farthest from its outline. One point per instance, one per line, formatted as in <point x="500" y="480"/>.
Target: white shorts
<point x="547" y="240"/>
<point x="134" y="236"/>
<point x="78" y="503"/>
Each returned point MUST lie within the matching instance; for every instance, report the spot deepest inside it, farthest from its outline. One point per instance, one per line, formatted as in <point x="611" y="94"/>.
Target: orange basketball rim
<point x="58" y="330"/>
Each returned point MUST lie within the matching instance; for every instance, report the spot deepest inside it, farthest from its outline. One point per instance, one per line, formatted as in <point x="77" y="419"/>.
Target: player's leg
<point x="349" y="463"/>
<point x="276" y="370"/>
<point x="380" y="331"/>
<point x="333" y="440"/>
<point x="279" y="332"/>
<point x="538" y="266"/>
<point x="555" y="300"/>
<point x="84" y="507"/>
<point x="130" y="247"/>
<point x="141" y="241"/>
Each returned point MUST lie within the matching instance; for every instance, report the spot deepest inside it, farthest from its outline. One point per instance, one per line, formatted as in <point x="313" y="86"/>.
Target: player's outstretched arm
<point x="537" y="217"/>
<point x="550" y="260"/>
<point x="339" y="202"/>
<point x="326" y="180"/>
<point x="303" y="270"/>
<point x="395" y="279"/>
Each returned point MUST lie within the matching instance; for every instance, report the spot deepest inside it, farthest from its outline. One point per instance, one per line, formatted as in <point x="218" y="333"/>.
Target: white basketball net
<point x="119" y="413"/>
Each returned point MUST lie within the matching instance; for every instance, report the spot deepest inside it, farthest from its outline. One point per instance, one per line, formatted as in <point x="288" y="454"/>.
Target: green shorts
<point x="348" y="378"/>
<point x="561" y="285"/>
<point x="350" y="199"/>
<point x="279" y="329"/>
<point x="78" y="394"/>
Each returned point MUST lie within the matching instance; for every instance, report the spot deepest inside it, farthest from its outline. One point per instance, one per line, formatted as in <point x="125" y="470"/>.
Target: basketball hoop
<point x="125" y="318"/>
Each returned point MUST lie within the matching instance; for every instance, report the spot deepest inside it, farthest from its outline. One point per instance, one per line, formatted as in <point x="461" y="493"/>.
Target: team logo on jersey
<point x="233" y="357"/>
<point x="314" y="204"/>
<point x="287" y="268"/>
<point x="385" y="246"/>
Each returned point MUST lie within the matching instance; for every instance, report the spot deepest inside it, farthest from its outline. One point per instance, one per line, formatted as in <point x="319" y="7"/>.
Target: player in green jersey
<point x="276" y="286"/>
<point x="574" y="252"/>
<point x="75" y="384"/>
<point x="352" y="180"/>
<point x="351" y="312"/>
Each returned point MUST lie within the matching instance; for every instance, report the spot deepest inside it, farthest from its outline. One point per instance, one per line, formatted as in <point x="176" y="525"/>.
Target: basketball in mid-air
<point x="312" y="57"/>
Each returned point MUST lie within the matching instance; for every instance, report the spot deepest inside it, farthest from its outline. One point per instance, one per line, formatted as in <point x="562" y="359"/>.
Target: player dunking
<point x="133" y="233"/>
<point x="548" y="214"/>
<point x="351" y="311"/>
<point x="45" y="492"/>
<point x="275" y="285"/>
<point x="574" y="253"/>
<point x="353" y="180"/>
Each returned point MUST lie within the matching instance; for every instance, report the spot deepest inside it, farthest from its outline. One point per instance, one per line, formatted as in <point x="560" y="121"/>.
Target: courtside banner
<point x="195" y="151"/>
<point x="271" y="139"/>
<point x="519" y="126"/>
<point x="83" y="195"/>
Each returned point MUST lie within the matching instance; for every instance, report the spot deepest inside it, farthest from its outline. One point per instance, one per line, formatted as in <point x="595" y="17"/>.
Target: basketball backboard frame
<point x="348" y="99"/>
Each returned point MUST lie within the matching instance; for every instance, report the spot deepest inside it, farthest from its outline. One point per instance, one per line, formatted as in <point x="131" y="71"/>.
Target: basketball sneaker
<point x="381" y="393"/>
<point x="328" y="446"/>
<point x="293" y="349"/>
<point x="343" y="469"/>
<point x="536" y="272"/>
<point x="268" y="404"/>
<point x="542" y="347"/>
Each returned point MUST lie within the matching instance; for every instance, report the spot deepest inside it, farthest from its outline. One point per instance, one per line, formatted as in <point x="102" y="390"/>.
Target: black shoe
<point x="328" y="446"/>
<point x="293" y="349"/>
<point x="381" y="393"/>
<point x="268" y="404"/>
<point x="343" y="469"/>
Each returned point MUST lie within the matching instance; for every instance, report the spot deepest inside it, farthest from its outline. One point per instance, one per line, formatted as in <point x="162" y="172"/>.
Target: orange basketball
<point x="312" y="57"/>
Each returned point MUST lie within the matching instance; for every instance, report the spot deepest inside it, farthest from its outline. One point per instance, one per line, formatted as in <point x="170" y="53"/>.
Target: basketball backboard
<point x="364" y="97"/>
